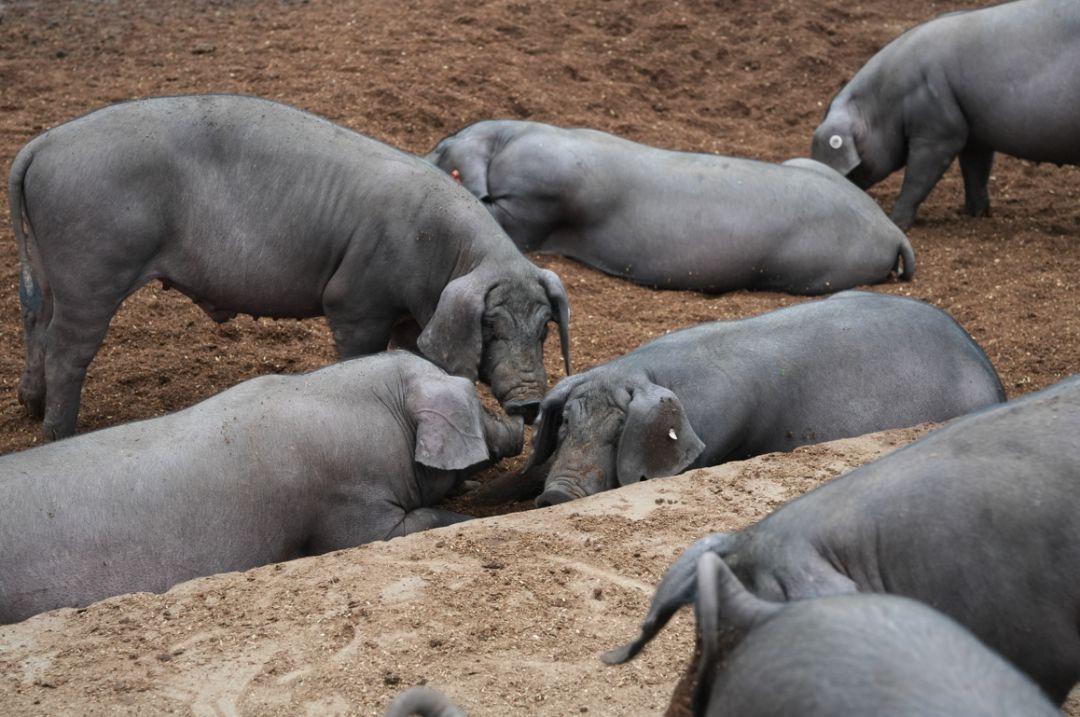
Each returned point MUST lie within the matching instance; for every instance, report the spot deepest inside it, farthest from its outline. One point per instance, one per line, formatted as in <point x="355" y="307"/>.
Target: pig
<point x="255" y="207"/>
<point x="977" y="520"/>
<point x="674" y="219"/>
<point x="968" y="84"/>
<point x="851" y="364"/>
<point x="859" y="654"/>
<point x="274" y="468"/>
<point x="423" y="701"/>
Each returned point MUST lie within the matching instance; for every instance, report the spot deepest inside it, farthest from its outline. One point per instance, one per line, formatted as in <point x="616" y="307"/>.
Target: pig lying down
<point x="673" y="219"/>
<point x="845" y="655"/>
<point x="977" y="519"/>
<point x="250" y="206"/>
<point x="275" y="468"/>
<point x="855" y="363"/>
<point x="968" y="84"/>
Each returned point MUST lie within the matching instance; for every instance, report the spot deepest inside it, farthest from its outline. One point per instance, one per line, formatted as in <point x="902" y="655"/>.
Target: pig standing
<point x="968" y="84"/>
<point x="250" y="206"/>
<point x="275" y="468"/>
<point x="977" y="520"/>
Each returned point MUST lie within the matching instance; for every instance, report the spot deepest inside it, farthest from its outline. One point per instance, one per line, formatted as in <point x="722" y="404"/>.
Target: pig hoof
<point x="553" y="496"/>
<point x="463" y="488"/>
<point x="33" y="404"/>
<point x="54" y="431"/>
<point x="904" y="222"/>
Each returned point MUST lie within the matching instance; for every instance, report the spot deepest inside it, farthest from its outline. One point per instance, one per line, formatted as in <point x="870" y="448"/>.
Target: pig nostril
<point x="526" y="409"/>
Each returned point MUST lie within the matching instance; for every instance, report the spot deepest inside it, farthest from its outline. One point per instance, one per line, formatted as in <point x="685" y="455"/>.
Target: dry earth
<point x="507" y="614"/>
<point x="343" y="632"/>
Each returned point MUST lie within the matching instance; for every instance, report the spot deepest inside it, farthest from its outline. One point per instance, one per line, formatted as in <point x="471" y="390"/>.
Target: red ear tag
<point x="456" y="175"/>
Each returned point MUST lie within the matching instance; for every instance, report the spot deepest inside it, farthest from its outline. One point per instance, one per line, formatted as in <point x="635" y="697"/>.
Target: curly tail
<point x="907" y="258"/>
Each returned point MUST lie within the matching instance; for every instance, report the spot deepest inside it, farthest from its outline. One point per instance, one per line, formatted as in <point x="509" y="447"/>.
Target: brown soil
<point x="730" y="76"/>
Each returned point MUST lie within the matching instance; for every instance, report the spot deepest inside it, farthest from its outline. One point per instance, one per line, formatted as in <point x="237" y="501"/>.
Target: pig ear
<point x="843" y="152"/>
<point x="842" y="137"/>
<point x="466" y="161"/>
<point x="453" y="337"/>
<point x="560" y="305"/>
<point x="472" y="173"/>
<point x="546" y="437"/>
<point x="449" y="423"/>
<point x="657" y="439"/>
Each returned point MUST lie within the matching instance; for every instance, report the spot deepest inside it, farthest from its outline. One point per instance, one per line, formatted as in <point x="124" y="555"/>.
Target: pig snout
<point x="523" y="400"/>
<point x="526" y="409"/>
<point x="505" y="436"/>
<point x="559" y="490"/>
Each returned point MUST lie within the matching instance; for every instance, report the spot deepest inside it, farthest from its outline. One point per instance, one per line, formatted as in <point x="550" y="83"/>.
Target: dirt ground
<point x="507" y="614"/>
<point x="730" y="76"/>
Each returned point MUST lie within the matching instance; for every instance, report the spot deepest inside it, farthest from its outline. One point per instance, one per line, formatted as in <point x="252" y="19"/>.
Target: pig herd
<point x="942" y="579"/>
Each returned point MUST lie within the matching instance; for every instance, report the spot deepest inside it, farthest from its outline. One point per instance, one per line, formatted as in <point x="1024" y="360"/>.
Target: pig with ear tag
<point x="675" y="220"/>
<point x="855" y="363"/>
<point x="966" y="84"/>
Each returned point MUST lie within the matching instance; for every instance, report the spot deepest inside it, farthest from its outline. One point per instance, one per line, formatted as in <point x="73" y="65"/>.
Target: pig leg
<point x="928" y="158"/>
<point x="359" y="327"/>
<point x="73" y="336"/>
<point x="976" y="161"/>
<point x="425" y="519"/>
<point x="404" y="335"/>
<point x="360" y="336"/>
<point x="36" y="300"/>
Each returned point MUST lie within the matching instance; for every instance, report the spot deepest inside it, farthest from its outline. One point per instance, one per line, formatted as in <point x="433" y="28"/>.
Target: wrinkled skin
<point x="977" y="519"/>
<point x="272" y="469"/>
<point x="830" y="656"/>
<point x="967" y="84"/>
<point x="249" y="206"/>
<point x="673" y="219"/>
<point x="425" y="702"/>
<point x="852" y="364"/>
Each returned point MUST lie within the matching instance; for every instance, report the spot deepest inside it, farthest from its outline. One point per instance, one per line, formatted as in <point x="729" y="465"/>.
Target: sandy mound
<point x="507" y="614"/>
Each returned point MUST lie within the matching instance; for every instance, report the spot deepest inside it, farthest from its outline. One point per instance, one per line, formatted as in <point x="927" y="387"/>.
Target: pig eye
<point x="836" y="141"/>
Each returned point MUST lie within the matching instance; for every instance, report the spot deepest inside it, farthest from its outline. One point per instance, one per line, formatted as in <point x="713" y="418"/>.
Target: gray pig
<point x="423" y="701"/>
<point x="1001" y="78"/>
<point x="851" y="364"/>
<point x="250" y="206"/>
<point x="845" y="655"/>
<point x="977" y="519"/>
<point x="274" y="468"/>
<point x="673" y="219"/>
